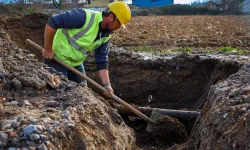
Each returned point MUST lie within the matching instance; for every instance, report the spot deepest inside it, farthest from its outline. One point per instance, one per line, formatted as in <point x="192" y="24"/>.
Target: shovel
<point x="117" y="99"/>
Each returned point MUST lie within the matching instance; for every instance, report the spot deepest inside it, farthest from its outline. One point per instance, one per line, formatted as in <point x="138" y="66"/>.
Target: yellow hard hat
<point x="121" y="10"/>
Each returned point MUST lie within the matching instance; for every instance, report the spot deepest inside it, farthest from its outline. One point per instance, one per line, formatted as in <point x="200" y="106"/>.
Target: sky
<point x="175" y="1"/>
<point x="183" y="1"/>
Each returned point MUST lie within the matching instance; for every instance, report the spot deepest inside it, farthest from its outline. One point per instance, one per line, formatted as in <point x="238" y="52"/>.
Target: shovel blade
<point x="155" y="115"/>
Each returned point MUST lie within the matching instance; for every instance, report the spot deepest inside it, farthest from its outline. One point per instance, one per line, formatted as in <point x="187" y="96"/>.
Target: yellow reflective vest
<point x="72" y="45"/>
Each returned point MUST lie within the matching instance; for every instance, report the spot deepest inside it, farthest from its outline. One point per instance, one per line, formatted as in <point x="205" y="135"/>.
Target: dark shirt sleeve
<point x="75" y="18"/>
<point x="101" y="57"/>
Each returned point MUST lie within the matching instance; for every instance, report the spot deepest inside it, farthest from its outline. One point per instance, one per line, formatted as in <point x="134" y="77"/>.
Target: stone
<point x="16" y="84"/>
<point x="7" y="124"/>
<point x="34" y="137"/>
<point x="2" y="70"/>
<point x="30" y="143"/>
<point x="52" y="103"/>
<point x="43" y="137"/>
<point x="3" y="139"/>
<point x="70" y="125"/>
<point x="33" y="129"/>
<point x="41" y="147"/>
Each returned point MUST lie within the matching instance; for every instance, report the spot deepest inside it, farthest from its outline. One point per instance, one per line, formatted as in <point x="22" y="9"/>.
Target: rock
<point x="21" y="134"/>
<point x="7" y="124"/>
<point x="16" y="96"/>
<point x="17" y="125"/>
<point x="34" y="137"/>
<point x="26" y="103"/>
<point x="49" y="144"/>
<point x="7" y="86"/>
<point x="2" y="70"/>
<point x="3" y="139"/>
<point x="20" y="57"/>
<point x="60" y="134"/>
<point x="50" y="110"/>
<point x="2" y="75"/>
<point x="30" y="55"/>
<point x="16" y="68"/>
<point x="51" y="131"/>
<point x="43" y="137"/>
<point x="81" y="145"/>
<point x="70" y="125"/>
<point x="55" y="123"/>
<point x="41" y="147"/>
<point x="235" y="92"/>
<point x="33" y="82"/>
<point x="16" y="84"/>
<point x="43" y="115"/>
<point x="12" y="134"/>
<point x="14" y="102"/>
<point x="33" y="129"/>
<point x="52" y="103"/>
<point x="24" y="121"/>
<point x="30" y="143"/>
<point x="15" y="142"/>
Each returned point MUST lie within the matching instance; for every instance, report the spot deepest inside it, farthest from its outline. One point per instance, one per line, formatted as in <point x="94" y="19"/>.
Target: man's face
<point x="113" y="24"/>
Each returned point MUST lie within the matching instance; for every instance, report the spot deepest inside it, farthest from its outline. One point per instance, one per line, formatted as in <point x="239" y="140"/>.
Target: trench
<point x="180" y="83"/>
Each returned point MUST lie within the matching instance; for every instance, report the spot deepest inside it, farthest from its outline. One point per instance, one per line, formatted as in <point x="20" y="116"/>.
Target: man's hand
<point x="109" y="91"/>
<point x="104" y="75"/>
<point x="48" y="54"/>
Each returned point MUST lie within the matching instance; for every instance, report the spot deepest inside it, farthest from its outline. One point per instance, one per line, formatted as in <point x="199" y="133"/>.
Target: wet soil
<point x="216" y="84"/>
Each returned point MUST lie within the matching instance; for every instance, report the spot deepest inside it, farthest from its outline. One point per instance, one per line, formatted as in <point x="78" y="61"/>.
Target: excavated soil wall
<point x="175" y="82"/>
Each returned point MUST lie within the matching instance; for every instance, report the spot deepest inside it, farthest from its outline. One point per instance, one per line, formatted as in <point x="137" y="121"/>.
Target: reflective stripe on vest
<point x="72" y="40"/>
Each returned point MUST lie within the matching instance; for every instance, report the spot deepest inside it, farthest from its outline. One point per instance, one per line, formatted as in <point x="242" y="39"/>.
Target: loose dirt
<point x="216" y="84"/>
<point x="173" y="32"/>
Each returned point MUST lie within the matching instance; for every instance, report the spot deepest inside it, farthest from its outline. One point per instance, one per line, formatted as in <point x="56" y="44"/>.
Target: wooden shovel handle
<point x="113" y="96"/>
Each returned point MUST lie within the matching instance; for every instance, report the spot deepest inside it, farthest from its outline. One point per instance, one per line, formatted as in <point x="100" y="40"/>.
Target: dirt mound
<point x="172" y="127"/>
<point x="41" y="109"/>
<point x="28" y="27"/>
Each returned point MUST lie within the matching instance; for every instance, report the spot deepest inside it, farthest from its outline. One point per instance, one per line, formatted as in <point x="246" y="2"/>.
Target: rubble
<point x="41" y="110"/>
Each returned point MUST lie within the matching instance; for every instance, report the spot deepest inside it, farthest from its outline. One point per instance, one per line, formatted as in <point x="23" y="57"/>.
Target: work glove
<point x="48" y="54"/>
<point x="109" y="91"/>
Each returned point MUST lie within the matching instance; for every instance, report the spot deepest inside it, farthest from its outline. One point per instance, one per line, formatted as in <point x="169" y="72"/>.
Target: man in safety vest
<point x="70" y="36"/>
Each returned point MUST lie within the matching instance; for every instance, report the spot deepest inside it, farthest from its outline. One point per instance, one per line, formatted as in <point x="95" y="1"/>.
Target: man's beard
<point x="106" y="29"/>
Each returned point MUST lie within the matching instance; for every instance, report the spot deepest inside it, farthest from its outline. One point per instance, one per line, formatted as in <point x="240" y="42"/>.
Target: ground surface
<point x="172" y="80"/>
<point x="151" y="33"/>
<point x="173" y="32"/>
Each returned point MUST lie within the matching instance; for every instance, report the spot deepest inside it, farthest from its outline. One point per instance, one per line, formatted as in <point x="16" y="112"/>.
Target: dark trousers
<point x="67" y="73"/>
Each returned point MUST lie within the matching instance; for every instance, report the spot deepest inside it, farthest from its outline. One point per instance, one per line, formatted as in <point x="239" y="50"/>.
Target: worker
<point x="71" y="35"/>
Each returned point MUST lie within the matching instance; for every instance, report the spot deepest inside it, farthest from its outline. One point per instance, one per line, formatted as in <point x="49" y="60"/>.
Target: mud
<point x="216" y="84"/>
